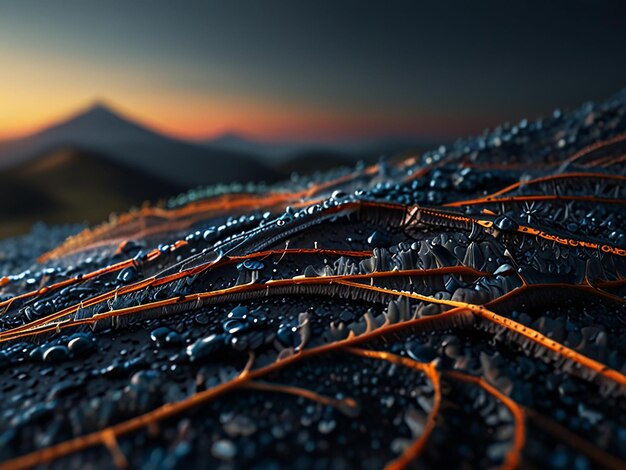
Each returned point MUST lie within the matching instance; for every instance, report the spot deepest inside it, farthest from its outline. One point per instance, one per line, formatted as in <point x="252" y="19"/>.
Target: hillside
<point x="72" y="184"/>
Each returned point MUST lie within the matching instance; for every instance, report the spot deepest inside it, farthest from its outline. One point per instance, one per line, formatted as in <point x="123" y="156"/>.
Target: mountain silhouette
<point x="306" y="156"/>
<point x="103" y="130"/>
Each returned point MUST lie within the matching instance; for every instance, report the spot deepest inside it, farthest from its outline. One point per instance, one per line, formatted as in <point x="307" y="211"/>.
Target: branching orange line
<point x="347" y="406"/>
<point x="200" y="209"/>
<point x="230" y="202"/>
<point x="604" y="161"/>
<point x="596" y="146"/>
<point x="479" y="311"/>
<point x="103" y="436"/>
<point x="171" y="409"/>
<point x="598" y="455"/>
<point x="614" y="161"/>
<point x="513" y="457"/>
<point x="154" y="281"/>
<point x="414" y="213"/>
<point x="431" y="371"/>
<point x="534" y="336"/>
<point x="524" y="229"/>
<point x="219" y="205"/>
<point x="68" y="282"/>
<point x="591" y="289"/>
<point x="31" y="328"/>
<point x="548" y="197"/>
<point x="559" y="176"/>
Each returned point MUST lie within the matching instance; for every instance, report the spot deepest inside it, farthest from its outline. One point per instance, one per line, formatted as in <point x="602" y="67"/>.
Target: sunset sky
<point x="307" y="70"/>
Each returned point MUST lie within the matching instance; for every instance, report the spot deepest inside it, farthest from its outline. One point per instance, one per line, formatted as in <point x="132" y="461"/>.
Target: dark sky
<point x="308" y="69"/>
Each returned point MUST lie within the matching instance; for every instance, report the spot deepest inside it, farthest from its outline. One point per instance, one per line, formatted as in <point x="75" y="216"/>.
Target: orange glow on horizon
<point x="261" y="122"/>
<point x="37" y="91"/>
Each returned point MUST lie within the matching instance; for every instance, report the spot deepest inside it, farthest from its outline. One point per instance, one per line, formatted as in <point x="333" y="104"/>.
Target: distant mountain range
<point x="102" y="130"/>
<point x="227" y="158"/>
<point x="98" y="161"/>
<point x="278" y="153"/>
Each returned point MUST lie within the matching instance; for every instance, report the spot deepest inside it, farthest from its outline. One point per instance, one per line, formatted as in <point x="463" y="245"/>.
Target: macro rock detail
<point x="462" y="307"/>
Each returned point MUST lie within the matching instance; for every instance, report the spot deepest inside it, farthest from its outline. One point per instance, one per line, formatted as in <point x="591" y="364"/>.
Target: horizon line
<point x="290" y="137"/>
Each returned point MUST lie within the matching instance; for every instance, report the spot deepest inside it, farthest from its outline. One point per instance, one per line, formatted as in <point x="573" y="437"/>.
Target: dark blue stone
<point x="128" y="275"/>
<point x="253" y="265"/>
<point x="56" y="353"/>
<point x="80" y="346"/>
<point x="421" y="353"/>
<point x="238" y="312"/>
<point x="173" y="338"/>
<point x="378" y="239"/>
<point x="287" y="336"/>
<point x="235" y="326"/>
<point x="205" y="347"/>
<point x="159" y="334"/>
<point x="505" y="223"/>
<point x="257" y="318"/>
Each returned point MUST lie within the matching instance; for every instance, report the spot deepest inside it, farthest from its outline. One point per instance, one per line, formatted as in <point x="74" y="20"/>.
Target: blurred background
<point x="106" y="104"/>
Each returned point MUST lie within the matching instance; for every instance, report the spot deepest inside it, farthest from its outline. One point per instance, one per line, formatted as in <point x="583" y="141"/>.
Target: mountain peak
<point x="99" y="108"/>
<point x="230" y="137"/>
<point x="99" y="119"/>
<point x="101" y="129"/>
<point x="95" y="126"/>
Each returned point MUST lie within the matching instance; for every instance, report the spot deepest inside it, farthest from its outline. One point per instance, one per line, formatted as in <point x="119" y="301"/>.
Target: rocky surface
<point x="464" y="308"/>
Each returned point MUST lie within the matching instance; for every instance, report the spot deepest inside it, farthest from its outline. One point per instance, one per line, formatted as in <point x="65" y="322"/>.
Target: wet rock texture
<point x="460" y="309"/>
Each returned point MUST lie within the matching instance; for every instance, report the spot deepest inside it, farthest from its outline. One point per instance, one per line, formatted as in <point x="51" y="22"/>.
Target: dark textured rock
<point x="128" y="275"/>
<point x="56" y="353"/>
<point x="205" y="347"/>
<point x="327" y="321"/>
